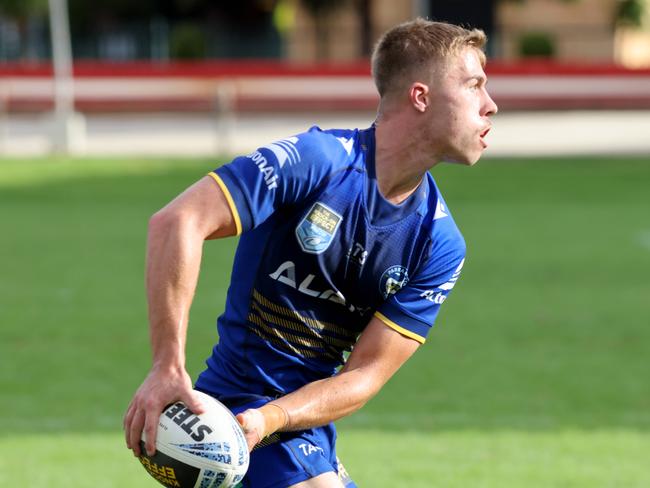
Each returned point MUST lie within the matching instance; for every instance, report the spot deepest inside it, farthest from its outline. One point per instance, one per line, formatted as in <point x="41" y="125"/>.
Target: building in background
<point x="308" y="31"/>
<point x="593" y="31"/>
<point x="587" y="31"/>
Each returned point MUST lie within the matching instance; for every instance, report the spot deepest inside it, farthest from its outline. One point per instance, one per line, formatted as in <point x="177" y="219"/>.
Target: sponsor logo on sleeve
<point x="454" y="278"/>
<point x="392" y="280"/>
<point x="439" y="295"/>
<point x="434" y="297"/>
<point x="284" y="151"/>
<point x="317" y="229"/>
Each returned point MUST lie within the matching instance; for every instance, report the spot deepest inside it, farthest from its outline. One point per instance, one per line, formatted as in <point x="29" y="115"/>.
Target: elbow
<point x="168" y="221"/>
<point x="162" y="221"/>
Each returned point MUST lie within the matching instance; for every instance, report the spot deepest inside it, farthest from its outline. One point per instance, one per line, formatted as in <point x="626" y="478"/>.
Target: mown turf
<point x="452" y="459"/>
<point x="535" y="375"/>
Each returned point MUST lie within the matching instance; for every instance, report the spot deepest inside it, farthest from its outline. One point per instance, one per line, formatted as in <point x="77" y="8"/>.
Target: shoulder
<point x="445" y="236"/>
<point x="335" y="146"/>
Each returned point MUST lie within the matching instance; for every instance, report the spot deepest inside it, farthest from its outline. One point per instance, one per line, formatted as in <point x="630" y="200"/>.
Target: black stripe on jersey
<point x="311" y="337"/>
<point x="279" y="339"/>
<point x="328" y="328"/>
<point x="299" y="335"/>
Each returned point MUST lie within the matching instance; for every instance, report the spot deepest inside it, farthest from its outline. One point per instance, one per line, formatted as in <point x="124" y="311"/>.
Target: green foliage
<point x="630" y="12"/>
<point x="187" y="41"/>
<point x="23" y="8"/>
<point x="536" y="44"/>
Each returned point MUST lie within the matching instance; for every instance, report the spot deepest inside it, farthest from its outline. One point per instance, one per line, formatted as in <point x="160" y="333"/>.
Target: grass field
<point x="535" y="376"/>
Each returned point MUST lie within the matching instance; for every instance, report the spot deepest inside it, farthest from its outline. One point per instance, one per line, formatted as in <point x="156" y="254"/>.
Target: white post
<point x="225" y="112"/>
<point x="68" y="132"/>
<point x="4" y="116"/>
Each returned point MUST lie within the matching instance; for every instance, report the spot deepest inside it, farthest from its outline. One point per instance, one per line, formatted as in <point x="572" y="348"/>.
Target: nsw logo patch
<point x="317" y="229"/>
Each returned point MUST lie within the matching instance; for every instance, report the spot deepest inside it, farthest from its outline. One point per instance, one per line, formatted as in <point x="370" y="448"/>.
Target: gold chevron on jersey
<point x="307" y="337"/>
<point x="326" y="328"/>
<point x="281" y="339"/>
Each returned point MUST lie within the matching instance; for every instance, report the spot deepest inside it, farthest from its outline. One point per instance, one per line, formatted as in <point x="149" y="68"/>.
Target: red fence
<point x="265" y="85"/>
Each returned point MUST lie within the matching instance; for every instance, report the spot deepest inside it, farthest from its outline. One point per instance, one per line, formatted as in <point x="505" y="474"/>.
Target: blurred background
<point x="536" y="373"/>
<point x="237" y="71"/>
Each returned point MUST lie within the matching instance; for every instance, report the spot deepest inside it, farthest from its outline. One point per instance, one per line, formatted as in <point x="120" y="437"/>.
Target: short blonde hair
<point x="411" y="51"/>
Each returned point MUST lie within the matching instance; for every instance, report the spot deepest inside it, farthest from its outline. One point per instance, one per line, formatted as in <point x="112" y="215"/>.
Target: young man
<point x="346" y="244"/>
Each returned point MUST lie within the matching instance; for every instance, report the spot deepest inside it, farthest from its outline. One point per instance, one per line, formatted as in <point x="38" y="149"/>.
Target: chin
<point x="465" y="159"/>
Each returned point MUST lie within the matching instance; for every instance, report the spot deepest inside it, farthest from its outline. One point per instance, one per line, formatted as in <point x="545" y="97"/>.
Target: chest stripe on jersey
<point x="325" y="327"/>
<point x="279" y="339"/>
<point x="295" y="334"/>
<point x="306" y="336"/>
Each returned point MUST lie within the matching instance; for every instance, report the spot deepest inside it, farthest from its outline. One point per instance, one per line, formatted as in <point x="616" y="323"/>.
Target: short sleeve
<point x="278" y="174"/>
<point x="412" y="311"/>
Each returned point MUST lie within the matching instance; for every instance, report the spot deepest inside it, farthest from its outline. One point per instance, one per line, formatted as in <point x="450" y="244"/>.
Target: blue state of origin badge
<point x="317" y="229"/>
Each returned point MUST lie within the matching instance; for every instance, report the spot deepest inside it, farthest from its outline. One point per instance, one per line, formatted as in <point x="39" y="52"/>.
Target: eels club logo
<point x="393" y="280"/>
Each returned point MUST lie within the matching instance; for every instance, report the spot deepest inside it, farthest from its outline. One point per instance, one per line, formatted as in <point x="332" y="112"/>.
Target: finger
<point x="193" y="403"/>
<point x="128" y="418"/>
<point x="126" y="415"/>
<point x="135" y="432"/>
<point x="150" y="430"/>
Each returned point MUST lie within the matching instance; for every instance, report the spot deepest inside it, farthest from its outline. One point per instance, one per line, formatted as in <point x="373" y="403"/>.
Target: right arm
<point x="174" y="248"/>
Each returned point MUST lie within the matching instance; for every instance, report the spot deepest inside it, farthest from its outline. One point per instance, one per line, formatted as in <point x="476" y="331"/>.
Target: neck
<point x="401" y="158"/>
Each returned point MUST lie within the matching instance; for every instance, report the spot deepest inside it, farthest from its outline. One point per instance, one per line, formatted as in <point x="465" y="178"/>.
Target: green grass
<point x="535" y="375"/>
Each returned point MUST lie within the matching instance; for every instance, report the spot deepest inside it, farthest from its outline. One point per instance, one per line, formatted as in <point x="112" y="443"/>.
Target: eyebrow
<point x="481" y="79"/>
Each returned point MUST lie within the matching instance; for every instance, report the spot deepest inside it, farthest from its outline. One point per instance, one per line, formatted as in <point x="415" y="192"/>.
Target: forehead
<point x="466" y="64"/>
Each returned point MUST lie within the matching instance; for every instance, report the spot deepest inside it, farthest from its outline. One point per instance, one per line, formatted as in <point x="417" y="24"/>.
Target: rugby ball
<point x="197" y="451"/>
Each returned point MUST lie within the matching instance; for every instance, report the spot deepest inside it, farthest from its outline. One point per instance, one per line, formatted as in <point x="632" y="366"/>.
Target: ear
<point x="419" y="96"/>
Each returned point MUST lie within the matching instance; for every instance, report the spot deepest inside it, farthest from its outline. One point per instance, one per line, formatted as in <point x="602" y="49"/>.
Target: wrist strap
<point x="276" y="418"/>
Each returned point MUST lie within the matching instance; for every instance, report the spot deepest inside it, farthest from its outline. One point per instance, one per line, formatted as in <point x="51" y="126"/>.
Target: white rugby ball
<point x="198" y="451"/>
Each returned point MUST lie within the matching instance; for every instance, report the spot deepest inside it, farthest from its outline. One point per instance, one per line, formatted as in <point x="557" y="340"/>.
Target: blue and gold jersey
<point x="321" y="251"/>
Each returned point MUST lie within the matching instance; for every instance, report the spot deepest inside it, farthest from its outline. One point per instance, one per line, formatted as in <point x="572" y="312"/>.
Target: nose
<point x="489" y="107"/>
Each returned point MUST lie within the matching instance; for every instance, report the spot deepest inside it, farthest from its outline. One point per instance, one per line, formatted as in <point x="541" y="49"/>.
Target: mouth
<point x="482" y="136"/>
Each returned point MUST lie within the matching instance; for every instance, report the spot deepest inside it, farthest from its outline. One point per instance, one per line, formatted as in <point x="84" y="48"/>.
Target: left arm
<point x="377" y="355"/>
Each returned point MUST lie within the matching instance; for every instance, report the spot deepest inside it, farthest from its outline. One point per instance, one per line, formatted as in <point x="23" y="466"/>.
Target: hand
<point x="259" y="423"/>
<point x="253" y="423"/>
<point x="160" y="388"/>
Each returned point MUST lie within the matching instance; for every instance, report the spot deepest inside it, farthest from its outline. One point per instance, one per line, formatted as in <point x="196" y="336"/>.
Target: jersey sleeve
<point x="413" y="309"/>
<point x="278" y="174"/>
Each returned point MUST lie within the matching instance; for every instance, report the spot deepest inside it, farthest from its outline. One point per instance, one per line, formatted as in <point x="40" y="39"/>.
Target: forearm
<point x="322" y="401"/>
<point x="376" y="356"/>
<point x="173" y="261"/>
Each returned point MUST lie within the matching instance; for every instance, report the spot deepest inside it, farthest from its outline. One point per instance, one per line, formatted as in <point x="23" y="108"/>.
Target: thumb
<point x="241" y="418"/>
<point x="247" y="420"/>
<point x="252" y="420"/>
<point x="250" y="424"/>
<point x="193" y="402"/>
